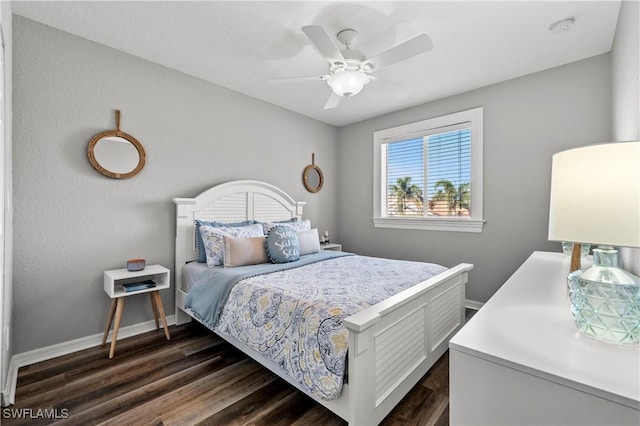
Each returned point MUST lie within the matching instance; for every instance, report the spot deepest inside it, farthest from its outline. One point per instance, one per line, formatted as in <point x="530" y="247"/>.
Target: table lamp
<point x="595" y="199"/>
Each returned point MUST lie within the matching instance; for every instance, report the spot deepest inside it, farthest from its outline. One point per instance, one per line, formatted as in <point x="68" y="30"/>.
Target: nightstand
<point x="331" y="246"/>
<point x="114" y="282"/>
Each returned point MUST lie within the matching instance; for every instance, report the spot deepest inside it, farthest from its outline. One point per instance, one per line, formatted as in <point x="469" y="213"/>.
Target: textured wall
<point x="72" y="223"/>
<point x="526" y="121"/>
<point x="625" y="73"/>
<point x="6" y="300"/>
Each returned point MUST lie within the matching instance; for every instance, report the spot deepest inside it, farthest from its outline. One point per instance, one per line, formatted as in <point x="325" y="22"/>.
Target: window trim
<point x="475" y="222"/>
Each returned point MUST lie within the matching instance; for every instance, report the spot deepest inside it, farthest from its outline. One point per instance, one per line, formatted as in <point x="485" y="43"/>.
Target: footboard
<point x="395" y="342"/>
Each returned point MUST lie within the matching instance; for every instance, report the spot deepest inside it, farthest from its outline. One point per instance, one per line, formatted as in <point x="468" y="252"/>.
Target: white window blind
<point x="449" y="173"/>
<point x="405" y="177"/>
<point x="430" y="174"/>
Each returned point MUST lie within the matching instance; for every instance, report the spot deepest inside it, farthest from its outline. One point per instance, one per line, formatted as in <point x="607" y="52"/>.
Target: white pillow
<point x="309" y="241"/>
<point x="213" y="239"/>
<point x="303" y="225"/>
<point x="244" y="251"/>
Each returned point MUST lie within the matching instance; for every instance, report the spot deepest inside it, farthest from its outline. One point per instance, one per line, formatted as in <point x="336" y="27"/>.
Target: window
<point x="428" y="175"/>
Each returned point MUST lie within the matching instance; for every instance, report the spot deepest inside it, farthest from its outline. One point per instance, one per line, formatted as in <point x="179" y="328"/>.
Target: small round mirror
<point x="312" y="176"/>
<point x="116" y="154"/>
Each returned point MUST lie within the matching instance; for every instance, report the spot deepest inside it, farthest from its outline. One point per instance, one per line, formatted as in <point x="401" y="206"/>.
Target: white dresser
<point x="521" y="361"/>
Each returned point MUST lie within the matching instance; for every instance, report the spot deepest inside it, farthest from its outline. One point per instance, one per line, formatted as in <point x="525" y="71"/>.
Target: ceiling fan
<point x="349" y="69"/>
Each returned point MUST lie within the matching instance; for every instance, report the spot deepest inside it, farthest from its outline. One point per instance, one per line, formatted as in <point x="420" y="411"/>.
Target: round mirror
<point x="312" y="176"/>
<point x="116" y="154"/>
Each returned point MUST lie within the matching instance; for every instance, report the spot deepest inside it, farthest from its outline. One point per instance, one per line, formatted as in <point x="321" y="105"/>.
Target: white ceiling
<point x="241" y="45"/>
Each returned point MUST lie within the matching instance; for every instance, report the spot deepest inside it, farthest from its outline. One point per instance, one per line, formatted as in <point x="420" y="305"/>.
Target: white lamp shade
<point x="595" y="195"/>
<point x="347" y="83"/>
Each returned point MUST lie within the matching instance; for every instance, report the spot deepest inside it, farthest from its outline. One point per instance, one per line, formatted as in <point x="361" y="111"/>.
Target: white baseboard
<point x="472" y="304"/>
<point x="65" y="348"/>
<point x="9" y="392"/>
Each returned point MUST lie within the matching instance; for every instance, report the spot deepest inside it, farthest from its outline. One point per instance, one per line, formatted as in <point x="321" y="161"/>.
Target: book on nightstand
<point x="143" y="285"/>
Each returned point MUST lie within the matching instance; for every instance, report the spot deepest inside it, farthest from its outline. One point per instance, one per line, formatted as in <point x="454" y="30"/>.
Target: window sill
<point x="429" y="224"/>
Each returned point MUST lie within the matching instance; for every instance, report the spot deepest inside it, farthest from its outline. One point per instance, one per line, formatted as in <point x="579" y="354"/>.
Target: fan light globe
<point x="347" y="83"/>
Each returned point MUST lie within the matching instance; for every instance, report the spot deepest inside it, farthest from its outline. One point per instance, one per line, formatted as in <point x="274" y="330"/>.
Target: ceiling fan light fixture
<point x="349" y="68"/>
<point x="347" y="83"/>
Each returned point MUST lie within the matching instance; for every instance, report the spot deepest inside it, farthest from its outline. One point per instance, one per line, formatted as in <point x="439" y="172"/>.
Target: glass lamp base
<point x="605" y="300"/>
<point x="567" y="248"/>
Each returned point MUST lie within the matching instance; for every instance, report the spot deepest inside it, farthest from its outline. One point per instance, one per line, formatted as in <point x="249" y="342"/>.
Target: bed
<point x="391" y="344"/>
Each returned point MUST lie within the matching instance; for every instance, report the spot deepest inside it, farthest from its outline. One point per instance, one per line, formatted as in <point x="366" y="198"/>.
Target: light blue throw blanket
<point x="211" y="291"/>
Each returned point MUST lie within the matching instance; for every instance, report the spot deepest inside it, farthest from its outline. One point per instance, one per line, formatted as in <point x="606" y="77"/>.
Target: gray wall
<point x="527" y="120"/>
<point x="6" y="292"/>
<point x="71" y="223"/>
<point x="625" y="66"/>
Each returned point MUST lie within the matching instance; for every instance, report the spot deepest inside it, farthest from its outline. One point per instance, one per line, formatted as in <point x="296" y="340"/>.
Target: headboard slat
<point x="268" y="209"/>
<point x="232" y="208"/>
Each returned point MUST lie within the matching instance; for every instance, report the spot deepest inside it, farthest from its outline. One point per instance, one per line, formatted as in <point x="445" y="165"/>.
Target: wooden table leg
<point x="116" y="327"/>
<point x="154" y="308"/>
<point x="156" y="295"/>
<point x="109" y="321"/>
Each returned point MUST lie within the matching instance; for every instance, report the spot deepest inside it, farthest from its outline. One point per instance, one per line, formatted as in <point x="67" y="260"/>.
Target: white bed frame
<point x="391" y="344"/>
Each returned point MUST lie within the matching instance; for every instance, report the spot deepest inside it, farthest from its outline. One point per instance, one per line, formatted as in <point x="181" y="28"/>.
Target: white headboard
<point x="228" y="202"/>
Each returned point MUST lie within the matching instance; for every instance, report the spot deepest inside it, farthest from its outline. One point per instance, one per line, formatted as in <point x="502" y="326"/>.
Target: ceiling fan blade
<point x="333" y="101"/>
<point x="293" y="79"/>
<point x="319" y="37"/>
<point x="408" y="49"/>
<point x="390" y="87"/>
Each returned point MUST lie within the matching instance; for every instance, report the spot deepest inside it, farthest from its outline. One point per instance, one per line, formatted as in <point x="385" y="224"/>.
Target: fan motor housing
<point x="347" y="37"/>
<point x="349" y="65"/>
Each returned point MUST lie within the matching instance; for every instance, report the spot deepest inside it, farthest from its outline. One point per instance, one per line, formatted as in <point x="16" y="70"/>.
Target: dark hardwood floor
<point x="196" y="378"/>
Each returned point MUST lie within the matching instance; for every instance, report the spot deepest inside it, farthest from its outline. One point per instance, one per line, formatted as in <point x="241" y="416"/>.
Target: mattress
<point x="190" y="274"/>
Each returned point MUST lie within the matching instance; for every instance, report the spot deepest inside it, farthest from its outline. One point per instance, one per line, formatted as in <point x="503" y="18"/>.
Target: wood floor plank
<point x="169" y="396"/>
<point x="119" y="375"/>
<point x="196" y="378"/>
<point x="437" y="378"/>
<point x="107" y="408"/>
<point x="104" y="383"/>
<point x="420" y="407"/>
<point x="247" y="409"/>
<point x="285" y="411"/>
<point x="318" y="415"/>
<point x="85" y="394"/>
<point x="212" y="401"/>
<point x="94" y="359"/>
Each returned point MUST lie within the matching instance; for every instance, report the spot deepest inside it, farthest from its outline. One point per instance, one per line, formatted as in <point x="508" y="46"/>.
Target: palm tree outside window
<point x="408" y="197"/>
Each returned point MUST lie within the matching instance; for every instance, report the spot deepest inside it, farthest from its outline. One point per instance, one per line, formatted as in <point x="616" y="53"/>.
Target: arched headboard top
<point x="248" y="189"/>
<point x="242" y="200"/>
<point x="233" y="201"/>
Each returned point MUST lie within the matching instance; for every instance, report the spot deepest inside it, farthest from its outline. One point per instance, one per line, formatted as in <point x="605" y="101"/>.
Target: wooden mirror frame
<point x="305" y="176"/>
<point x="116" y="133"/>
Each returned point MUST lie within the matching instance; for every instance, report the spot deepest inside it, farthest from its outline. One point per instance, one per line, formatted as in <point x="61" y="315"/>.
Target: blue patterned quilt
<point x="294" y="316"/>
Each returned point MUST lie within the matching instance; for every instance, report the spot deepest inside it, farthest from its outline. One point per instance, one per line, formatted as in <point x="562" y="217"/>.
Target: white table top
<point x="528" y="325"/>
<point x="118" y="274"/>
